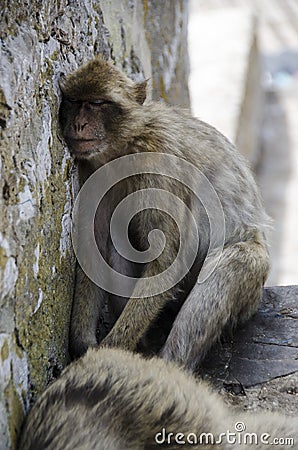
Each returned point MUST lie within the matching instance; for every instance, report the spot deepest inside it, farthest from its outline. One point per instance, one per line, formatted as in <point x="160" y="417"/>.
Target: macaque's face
<point x="87" y="123"/>
<point x="96" y="100"/>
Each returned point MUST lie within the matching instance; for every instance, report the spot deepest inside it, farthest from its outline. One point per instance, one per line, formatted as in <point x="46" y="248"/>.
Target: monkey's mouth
<point x="82" y="146"/>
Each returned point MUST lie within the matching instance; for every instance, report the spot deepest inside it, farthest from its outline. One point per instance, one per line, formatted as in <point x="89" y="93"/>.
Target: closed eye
<point x="92" y="103"/>
<point x="71" y="100"/>
<point x="98" y="102"/>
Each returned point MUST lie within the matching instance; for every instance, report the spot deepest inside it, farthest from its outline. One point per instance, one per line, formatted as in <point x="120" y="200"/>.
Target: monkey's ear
<point x="140" y="91"/>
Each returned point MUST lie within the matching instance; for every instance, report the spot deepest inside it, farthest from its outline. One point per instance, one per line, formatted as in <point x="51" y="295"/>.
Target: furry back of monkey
<point x="113" y="400"/>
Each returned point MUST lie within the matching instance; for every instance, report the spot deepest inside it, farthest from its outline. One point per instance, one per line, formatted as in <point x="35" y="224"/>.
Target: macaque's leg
<point x="141" y="312"/>
<point x="137" y="316"/>
<point x="87" y="306"/>
<point x="230" y="294"/>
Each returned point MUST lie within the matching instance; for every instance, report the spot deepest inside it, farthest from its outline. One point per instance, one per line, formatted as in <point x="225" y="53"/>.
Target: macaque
<point x="111" y="399"/>
<point x="103" y="117"/>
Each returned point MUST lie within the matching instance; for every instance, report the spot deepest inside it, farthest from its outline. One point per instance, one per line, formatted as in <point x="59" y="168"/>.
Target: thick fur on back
<point x="111" y="399"/>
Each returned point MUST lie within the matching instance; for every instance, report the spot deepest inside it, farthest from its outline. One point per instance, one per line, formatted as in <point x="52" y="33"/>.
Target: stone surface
<point x="166" y="24"/>
<point x="39" y="41"/>
<point x="260" y="362"/>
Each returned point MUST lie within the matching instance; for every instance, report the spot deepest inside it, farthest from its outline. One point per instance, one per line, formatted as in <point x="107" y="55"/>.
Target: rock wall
<point x="38" y="181"/>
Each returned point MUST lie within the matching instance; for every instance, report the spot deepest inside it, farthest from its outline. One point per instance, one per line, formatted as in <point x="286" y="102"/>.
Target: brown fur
<point x="122" y="124"/>
<point x="114" y="400"/>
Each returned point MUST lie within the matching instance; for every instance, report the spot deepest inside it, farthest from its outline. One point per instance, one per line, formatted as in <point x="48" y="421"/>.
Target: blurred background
<point x="244" y="81"/>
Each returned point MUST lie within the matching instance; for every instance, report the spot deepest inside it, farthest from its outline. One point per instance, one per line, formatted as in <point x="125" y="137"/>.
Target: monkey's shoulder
<point x="173" y="130"/>
<point x="179" y="128"/>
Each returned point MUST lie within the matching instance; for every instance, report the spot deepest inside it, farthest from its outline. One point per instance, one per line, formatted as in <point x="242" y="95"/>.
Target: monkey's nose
<point x="79" y="127"/>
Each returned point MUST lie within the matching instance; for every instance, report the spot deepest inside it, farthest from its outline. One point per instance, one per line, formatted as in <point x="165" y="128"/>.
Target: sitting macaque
<point x="103" y="117"/>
